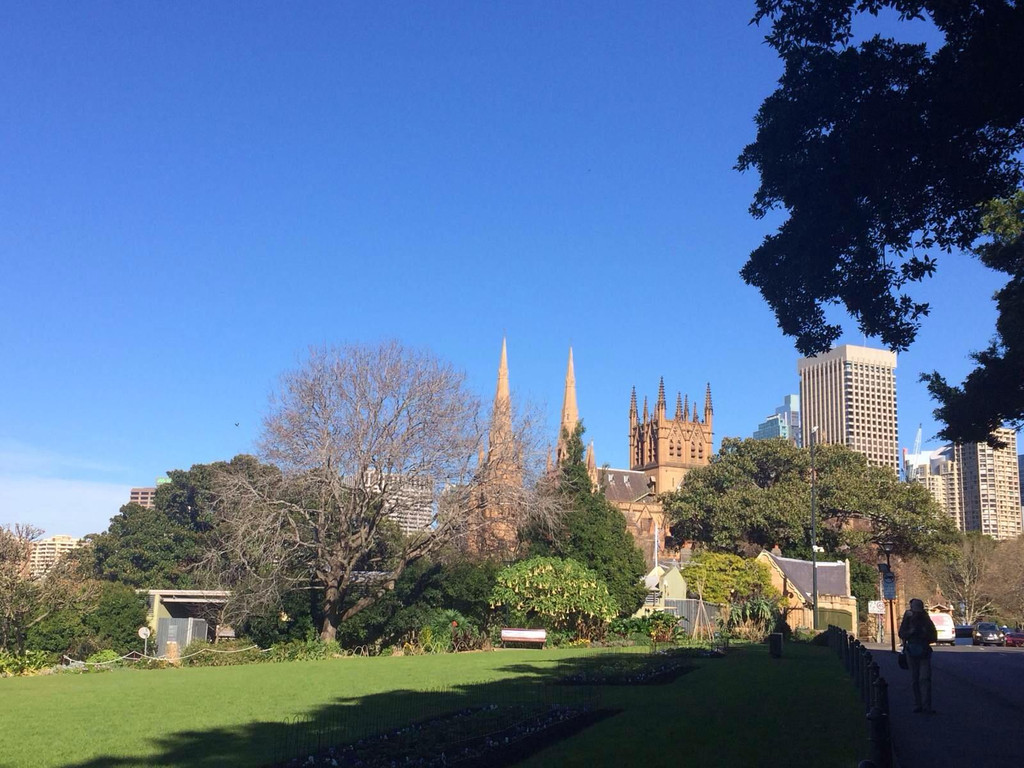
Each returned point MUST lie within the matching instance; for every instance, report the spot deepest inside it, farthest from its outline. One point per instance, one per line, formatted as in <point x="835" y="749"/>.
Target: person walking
<point x="917" y="631"/>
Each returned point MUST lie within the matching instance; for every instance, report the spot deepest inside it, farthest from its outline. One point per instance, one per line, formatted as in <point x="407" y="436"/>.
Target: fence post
<point x="879" y="738"/>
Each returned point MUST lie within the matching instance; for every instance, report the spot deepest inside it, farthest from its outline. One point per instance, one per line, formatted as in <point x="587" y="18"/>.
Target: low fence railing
<point x="873" y="690"/>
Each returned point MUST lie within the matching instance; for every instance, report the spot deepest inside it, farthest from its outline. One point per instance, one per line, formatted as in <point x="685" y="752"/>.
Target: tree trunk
<point x="332" y="602"/>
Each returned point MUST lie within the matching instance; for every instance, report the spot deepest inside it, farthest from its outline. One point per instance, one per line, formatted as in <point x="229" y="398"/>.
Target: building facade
<point x="990" y="486"/>
<point x="849" y="394"/>
<point x="939" y="472"/>
<point x="45" y="553"/>
<point x="783" y="423"/>
<point x="664" y="448"/>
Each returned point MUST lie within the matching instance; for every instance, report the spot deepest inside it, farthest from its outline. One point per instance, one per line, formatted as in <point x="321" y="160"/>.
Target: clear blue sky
<point x="193" y="194"/>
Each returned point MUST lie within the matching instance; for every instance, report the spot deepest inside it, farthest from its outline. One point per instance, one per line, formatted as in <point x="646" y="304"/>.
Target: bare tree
<point x="27" y="598"/>
<point x="1006" y="582"/>
<point x="355" y="433"/>
<point x="964" y="577"/>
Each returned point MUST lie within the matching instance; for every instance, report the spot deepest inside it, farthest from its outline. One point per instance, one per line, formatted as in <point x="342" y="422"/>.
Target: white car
<point x="944" y="628"/>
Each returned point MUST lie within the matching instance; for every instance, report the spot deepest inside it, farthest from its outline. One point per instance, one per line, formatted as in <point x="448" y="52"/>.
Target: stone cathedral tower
<point x="666" y="449"/>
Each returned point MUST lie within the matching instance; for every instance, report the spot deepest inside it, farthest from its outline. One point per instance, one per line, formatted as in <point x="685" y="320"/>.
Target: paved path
<point x="979" y="697"/>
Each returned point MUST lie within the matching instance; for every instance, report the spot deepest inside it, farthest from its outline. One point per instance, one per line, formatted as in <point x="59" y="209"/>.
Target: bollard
<point x="866" y="674"/>
<point x="873" y="676"/>
<point x="882" y="694"/>
<point x="881" y="746"/>
<point x="775" y="645"/>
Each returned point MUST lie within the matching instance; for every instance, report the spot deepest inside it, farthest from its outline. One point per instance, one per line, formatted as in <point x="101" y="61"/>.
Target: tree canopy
<point x="756" y="494"/>
<point x="592" y="531"/>
<point x="885" y="155"/>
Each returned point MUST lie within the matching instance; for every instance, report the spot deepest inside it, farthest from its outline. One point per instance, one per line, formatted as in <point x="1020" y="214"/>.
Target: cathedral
<point x="661" y="451"/>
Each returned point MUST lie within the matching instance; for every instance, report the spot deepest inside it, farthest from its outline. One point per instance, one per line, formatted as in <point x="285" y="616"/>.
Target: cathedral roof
<point x="625" y="485"/>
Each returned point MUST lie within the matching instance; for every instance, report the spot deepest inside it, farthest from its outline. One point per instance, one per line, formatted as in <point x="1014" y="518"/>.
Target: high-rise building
<point x="144" y="497"/>
<point x="939" y="472"/>
<point x="849" y="394"/>
<point x="784" y="423"/>
<point x="46" y="552"/>
<point x="990" y="486"/>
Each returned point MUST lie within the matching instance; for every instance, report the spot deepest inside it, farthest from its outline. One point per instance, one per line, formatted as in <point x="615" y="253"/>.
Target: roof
<point x="831" y="576"/>
<point x="624" y="485"/>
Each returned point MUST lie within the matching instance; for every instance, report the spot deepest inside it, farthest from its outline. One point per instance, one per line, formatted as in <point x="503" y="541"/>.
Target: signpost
<point x="144" y="634"/>
<point x="876" y="607"/>
<point x="889" y="593"/>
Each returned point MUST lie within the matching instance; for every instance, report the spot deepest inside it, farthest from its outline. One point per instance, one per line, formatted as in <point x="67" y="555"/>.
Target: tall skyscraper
<point x="990" y="486"/>
<point x="784" y="423"/>
<point x="849" y="393"/>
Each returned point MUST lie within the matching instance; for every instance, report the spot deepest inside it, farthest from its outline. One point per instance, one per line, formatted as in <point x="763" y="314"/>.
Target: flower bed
<point x="491" y="735"/>
<point x="655" y="669"/>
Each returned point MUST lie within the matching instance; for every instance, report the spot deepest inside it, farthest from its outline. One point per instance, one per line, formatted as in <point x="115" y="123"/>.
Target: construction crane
<point x="913" y="467"/>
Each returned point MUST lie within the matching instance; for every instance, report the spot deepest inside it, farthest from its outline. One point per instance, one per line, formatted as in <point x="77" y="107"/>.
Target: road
<point x="978" y="693"/>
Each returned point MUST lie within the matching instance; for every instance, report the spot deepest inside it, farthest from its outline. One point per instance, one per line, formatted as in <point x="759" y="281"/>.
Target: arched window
<point x="693" y="450"/>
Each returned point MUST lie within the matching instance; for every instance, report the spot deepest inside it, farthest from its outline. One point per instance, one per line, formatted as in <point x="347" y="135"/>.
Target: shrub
<point x="103" y="657"/>
<point x="200" y="653"/>
<point x="23" y="663"/>
<point x="554" y="593"/>
<point x="305" y="650"/>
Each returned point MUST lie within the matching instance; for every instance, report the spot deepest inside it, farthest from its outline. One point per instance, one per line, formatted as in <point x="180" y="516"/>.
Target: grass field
<point x="744" y="710"/>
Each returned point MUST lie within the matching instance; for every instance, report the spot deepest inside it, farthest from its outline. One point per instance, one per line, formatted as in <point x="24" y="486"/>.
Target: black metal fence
<point x="873" y="690"/>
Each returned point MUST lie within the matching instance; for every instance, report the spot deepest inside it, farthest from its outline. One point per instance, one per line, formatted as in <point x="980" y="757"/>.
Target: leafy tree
<point x="556" y="593"/>
<point x="720" y="577"/>
<point x="885" y="154"/>
<point x="115" y="620"/>
<point x="593" y="532"/>
<point x="143" y="548"/>
<point x="159" y="547"/>
<point x="756" y="493"/>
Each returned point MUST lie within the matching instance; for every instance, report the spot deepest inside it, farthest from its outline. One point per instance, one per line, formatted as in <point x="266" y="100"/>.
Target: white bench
<point x="531" y="636"/>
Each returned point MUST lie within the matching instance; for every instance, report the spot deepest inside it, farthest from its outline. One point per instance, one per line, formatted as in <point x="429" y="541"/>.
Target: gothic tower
<point x="570" y="412"/>
<point x="665" y="449"/>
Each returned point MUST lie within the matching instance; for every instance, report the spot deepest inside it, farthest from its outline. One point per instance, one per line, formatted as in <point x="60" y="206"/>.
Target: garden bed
<point x="490" y="735"/>
<point x="654" y="669"/>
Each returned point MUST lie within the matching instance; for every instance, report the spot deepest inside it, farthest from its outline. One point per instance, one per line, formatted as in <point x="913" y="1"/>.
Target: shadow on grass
<point x="346" y="720"/>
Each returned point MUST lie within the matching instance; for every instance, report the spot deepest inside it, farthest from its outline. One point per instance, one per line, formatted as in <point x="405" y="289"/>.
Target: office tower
<point x="990" y="486"/>
<point x="46" y="552"/>
<point x="784" y="422"/>
<point x="849" y="394"/>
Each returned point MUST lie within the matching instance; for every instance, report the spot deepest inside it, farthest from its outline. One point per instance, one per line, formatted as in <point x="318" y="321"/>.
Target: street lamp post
<point x="887" y="546"/>
<point x="814" y="532"/>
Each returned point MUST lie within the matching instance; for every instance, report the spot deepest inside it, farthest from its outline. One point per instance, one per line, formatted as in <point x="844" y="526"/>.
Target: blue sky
<point x="193" y="195"/>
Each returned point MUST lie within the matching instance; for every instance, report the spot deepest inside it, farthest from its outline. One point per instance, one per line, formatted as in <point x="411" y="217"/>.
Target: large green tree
<point x="593" y="531"/>
<point x="757" y="493"/>
<point x="884" y="154"/>
<point x="159" y="547"/>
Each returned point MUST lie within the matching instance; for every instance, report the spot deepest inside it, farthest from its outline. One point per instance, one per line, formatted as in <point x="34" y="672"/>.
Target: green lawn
<point x="744" y="710"/>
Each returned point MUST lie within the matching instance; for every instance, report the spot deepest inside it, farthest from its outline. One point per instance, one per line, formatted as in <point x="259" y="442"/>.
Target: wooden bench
<point x="536" y="637"/>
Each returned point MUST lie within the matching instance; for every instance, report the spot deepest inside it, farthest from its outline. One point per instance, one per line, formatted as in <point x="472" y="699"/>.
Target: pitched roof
<point x="831" y="576"/>
<point x="624" y="485"/>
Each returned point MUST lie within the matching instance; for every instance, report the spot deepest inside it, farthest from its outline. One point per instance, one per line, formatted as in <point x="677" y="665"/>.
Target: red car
<point x="1015" y="637"/>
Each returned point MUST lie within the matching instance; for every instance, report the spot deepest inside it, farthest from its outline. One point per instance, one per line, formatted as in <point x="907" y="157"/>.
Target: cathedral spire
<point x="501" y="416"/>
<point x="659" y="408"/>
<point x="686" y="408"/>
<point x="695" y="417"/>
<point x="570" y="413"/>
<point x="645" y="409"/>
<point x="591" y="461"/>
<point x="708" y="410"/>
<point x="632" y="407"/>
<point x="679" y="406"/>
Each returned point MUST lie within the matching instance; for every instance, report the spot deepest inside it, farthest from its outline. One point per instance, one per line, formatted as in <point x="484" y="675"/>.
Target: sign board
<point x="144" y="633"/>
<point x="876" y="606"/>
<point x="889" y="586"/>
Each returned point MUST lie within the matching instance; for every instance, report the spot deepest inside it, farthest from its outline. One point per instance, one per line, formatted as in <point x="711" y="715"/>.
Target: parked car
<point x="1015" y="637"/>
<point x="987" y="633"/>
<point x="964" y="631"/>
<point x="944" y="628"/>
